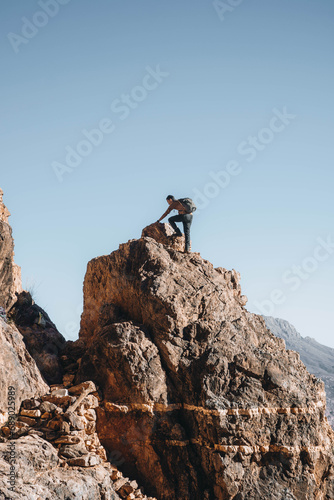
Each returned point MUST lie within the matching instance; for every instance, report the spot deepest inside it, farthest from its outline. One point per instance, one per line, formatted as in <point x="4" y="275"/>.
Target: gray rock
<point x="18" y="371"/>
<point x="39" y="475"/>
<point x="318" y="358"/>
<point x="73" y="450"/>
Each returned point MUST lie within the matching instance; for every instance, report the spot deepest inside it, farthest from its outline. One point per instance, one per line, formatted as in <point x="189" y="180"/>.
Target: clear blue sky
<point x="210" y="110"/>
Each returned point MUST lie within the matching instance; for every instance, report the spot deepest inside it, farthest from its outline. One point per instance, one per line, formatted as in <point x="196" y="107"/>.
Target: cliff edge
<point x="10" y="273"/>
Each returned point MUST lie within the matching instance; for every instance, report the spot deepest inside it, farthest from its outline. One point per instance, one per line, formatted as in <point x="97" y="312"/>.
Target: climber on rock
<point x="185" y="207"/>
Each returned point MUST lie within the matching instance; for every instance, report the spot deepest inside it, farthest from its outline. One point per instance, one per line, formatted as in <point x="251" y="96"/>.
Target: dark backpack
<point x="188" y="204"/>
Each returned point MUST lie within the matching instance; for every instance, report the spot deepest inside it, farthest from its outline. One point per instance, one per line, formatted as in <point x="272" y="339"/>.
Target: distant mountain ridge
<point x="318" y="358"/>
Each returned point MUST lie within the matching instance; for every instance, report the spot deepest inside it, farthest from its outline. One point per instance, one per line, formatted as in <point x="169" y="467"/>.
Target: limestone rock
<point x="201" y="401"/>
<point x="17" y="370"/>
<point x="40" y="476"/>
<point x="10" y="273"/>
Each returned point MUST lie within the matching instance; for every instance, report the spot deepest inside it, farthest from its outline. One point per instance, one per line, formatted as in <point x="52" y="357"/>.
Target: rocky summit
<point x="173" y="390"/>
<point x="199" y="397"/>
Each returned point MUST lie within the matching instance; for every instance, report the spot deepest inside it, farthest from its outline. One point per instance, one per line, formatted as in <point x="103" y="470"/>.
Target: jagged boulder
<point x="10" y="273"/>
<point x="44" y="342"/>
<point x="200" y="399"/>
<point x="164" y="233"/>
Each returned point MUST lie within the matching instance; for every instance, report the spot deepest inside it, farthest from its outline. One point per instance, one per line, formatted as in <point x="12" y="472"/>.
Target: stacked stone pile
<point x="66" y="418"/>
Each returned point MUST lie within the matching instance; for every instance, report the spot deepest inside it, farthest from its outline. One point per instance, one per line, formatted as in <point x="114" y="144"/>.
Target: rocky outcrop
<point x="318" y="358"/>
<point x="18" y="371"/>
<point x="164" y="233"/>
<point x="57" y="452"/>
<point x="44" y="343"/>
<point x="10" y="273"/>
<point x="200" y="399"/>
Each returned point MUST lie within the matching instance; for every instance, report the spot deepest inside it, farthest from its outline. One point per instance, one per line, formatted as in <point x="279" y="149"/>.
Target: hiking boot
<point x="175" y="235"/>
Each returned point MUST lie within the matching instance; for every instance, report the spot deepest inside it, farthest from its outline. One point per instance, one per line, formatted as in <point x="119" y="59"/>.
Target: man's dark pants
<point x="186" y="219"/>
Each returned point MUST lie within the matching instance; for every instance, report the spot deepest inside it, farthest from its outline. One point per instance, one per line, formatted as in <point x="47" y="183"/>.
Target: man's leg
<point x="172" y="220"/>
<point x="187" y="220"/>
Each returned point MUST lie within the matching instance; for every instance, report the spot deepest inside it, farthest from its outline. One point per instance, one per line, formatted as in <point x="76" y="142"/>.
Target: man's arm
<point x="168" y="211"/>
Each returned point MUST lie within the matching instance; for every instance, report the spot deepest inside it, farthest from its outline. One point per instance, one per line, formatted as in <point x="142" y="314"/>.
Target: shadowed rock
<point x="44" y="343"/>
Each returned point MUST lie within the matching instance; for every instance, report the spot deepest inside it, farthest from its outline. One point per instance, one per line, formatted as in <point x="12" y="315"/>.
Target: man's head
<point x="170" y="198"/>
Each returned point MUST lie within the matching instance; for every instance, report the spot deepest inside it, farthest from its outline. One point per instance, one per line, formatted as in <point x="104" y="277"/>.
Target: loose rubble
<point x="66" y="418"/>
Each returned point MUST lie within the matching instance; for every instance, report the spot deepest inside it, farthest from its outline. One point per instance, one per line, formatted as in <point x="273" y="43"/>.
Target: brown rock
<point x="58" y="400"/>
<point x="10" y="273"/>
<point x="68" y="379"/>
<point x="164" y="233"/>
<point x="68" y="440"/>
<point x="43" y="341"/>
<point x="47" y="415"/>
<point x="85" y="461"/>
<point x="30" y="421"/>
<point x="200" y="399"/>
<point x="120" y="483"/>
<point x="88" y="387"/>
<point x="6" y="431"/>
<point x="54" y="424"/>
<point x="30" y="404"/>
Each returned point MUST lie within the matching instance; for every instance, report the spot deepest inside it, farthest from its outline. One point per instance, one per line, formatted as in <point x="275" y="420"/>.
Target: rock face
<point x="44" y="343"/>
<point x="318" y="359"/>
<point x="10" y="273"/>
<point x="200" y="399"/>
<point x="17" y="369"/>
